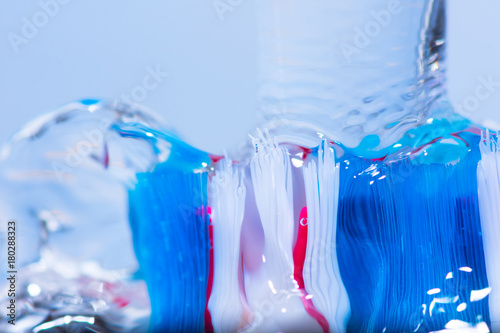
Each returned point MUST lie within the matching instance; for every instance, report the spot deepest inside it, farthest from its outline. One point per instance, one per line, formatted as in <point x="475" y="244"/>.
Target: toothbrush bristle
<point x="389" y="247"/>
<point x="172" y="244"/>
<point x="488" y="178"/>
<point x="228" y="206"/>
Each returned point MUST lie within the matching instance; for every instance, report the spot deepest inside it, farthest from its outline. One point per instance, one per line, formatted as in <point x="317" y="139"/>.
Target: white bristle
<point x="271" y="289"/>
<point x="488" y="177"/>
<point x="272" y="182"/>
<point x="321" y="270"/>
<point x="228" y="206"/>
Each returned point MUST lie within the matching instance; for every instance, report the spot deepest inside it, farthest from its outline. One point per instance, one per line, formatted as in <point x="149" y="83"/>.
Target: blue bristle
<point x="403" y="229"/>
<point x="170" y="230"/>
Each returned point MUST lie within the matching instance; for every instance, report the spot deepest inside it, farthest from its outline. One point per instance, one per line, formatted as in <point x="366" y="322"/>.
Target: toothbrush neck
<point x="346" y="70"/>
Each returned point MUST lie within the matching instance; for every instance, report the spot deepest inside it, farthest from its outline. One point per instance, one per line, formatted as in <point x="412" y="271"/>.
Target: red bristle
<point x="208" y="317"/>
<point x="215" y="158"/>
<point x="299" y="256"/>
<point x="299" y="252"/>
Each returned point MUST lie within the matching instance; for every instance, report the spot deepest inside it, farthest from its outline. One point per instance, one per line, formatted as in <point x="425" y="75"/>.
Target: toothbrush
<point x="378" y="246"/>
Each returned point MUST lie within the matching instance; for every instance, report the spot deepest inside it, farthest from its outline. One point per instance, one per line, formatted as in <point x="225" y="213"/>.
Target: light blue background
<point x="103" y="49"/>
